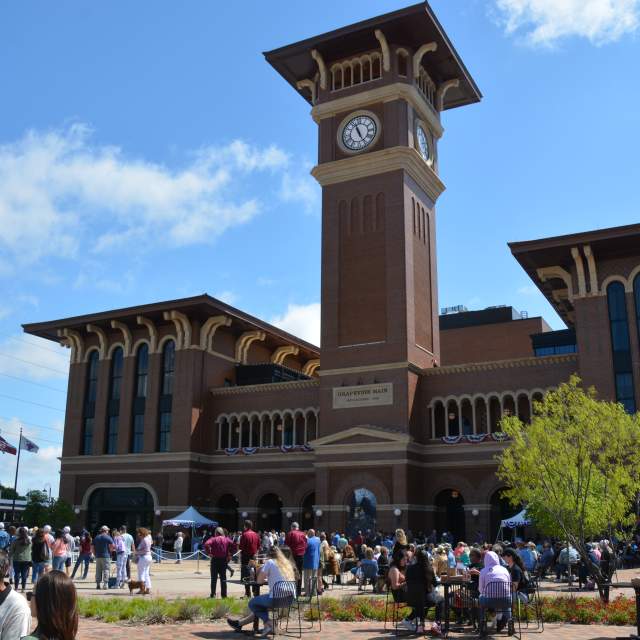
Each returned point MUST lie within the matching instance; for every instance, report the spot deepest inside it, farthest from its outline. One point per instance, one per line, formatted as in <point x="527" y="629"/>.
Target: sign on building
<point x="369" y="395"/>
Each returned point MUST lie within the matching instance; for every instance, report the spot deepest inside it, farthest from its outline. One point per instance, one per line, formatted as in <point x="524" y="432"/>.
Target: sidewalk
<point x="92" y="630"/>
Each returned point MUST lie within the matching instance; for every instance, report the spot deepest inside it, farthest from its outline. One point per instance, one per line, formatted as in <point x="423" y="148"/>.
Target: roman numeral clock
<point x="377" y="90"/>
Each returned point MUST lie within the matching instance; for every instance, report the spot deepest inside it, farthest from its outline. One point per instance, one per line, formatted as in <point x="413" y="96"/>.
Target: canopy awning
<point x="519" y="520"/>
<point x="189" y="518"/>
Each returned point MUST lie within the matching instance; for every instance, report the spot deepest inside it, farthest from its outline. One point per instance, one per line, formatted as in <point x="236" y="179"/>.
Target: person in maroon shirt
<point x="219" y="548"/>
<point x="297" y="542"/>
<point x="249" y="545"/>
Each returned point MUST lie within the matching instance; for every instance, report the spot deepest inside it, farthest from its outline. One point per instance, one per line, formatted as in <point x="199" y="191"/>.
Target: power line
<point x="12" y="336"/>
<point x="39" y="384"/>
<point x="35" y="404"/>
<point x="35" y="364"/>
<point x="12" y="433"/>
<point x="32" y="424"/>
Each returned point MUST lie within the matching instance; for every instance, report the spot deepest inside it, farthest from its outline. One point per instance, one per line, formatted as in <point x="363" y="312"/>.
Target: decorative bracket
<point x="441" y="92"/>
<point x="153" y="332"/>
<point x="126" y="335"/>
<point x="244" y="342"/>
<point x="102" y="339"/>
<point x="322" y="67"/>
<point x="280" y="354"/>
<point x="384" y="45"/>
<point x="419" y="54"/>
<point x="209" y="328"/>
<point x="311" y="367"/>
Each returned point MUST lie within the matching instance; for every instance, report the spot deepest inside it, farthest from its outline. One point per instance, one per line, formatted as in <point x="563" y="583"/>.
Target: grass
<point x="620" y="611"/>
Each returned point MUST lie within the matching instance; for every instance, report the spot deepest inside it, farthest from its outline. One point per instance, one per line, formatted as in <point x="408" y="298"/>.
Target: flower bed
<point x="620" y="611"/>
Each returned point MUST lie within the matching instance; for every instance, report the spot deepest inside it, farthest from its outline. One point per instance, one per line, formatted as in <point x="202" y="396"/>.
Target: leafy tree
<point x="576" y="466"/>
<point x="9" y="493"/>
<point x="60" y="514"/>
<point x="36" y="511"/>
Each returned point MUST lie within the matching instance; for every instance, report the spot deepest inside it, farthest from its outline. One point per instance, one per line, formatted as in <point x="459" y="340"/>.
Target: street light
<point x="319" y="513"/>
<point x="397" y="512"/>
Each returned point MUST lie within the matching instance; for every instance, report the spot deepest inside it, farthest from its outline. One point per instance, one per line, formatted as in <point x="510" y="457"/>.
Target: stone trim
<point x="391" y="435"/>
<point x="271" y="386"/>
<point x="501" y="364"/>
<point x="383" y="161"/>
<point x="370" y="367"/>
<point x="386" y="93"/>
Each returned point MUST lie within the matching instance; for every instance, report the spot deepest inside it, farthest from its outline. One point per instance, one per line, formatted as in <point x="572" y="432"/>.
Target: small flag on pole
<point x="27" y="445"/>
<point x="5" y="447"/>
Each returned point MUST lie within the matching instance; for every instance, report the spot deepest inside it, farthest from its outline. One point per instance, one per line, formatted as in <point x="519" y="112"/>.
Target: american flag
<point x="27" y="445"/>
<point x="5" y="447"/>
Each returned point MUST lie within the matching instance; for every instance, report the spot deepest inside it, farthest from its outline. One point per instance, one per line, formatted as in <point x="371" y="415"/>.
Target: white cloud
<point x="543" y="22"/>
<point x="302" y="188"/>
<point x="34" y="358"/>
<point x="528" y="290"/>
<point x="61" y="195"/>
<point x="227" y="296"/>
<point x="302" y="321"/>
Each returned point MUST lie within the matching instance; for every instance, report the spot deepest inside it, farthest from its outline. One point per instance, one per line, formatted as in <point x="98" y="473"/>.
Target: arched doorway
<point x="269" y="513"/>
<point x="501" y="509"/>
<point x="450" y="515"/>
<point x="306" y="512"/>
<point x="227" y="512"/>
<point x="115" y="506"/>
<point x="362" y="512"/>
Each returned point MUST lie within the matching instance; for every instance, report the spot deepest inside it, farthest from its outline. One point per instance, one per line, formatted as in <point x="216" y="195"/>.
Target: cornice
<point x="501" y="364"/>
<point x="385" y="93"/>
<point x="263" y="388"/>
<point x="383" y="161"/>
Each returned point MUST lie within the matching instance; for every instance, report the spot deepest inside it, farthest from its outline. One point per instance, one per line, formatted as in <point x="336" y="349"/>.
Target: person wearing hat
<point x="71" y="546"/>
<point x="4" y="537"/>
<point x="103" y="546"/>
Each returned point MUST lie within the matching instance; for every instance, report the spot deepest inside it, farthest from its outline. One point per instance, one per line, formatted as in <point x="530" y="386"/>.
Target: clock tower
<point x="377" y="90"/>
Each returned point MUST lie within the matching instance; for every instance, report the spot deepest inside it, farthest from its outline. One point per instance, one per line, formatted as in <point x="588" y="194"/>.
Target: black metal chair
<point x="312" y="600"/>
<point x="463" y="602"/>
<point x="370" y="576"/>
<point x="394" y="605"/>
<point x="532" y="606"/>
<point x="282" y="598"/>
<point x="497" y="596"/>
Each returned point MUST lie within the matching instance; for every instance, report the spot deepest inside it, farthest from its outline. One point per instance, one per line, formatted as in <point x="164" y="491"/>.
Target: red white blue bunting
<point x="474" y="439"/>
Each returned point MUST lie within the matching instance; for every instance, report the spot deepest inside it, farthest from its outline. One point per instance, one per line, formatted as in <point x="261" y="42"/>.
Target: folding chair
<point x="283" y="597"/>
<point x="497" y="596"/>
<point x="390" y="603"/>
<point x="534" y="605"/>
<point x="312" y="600"/>
<point x="370" y="575"/>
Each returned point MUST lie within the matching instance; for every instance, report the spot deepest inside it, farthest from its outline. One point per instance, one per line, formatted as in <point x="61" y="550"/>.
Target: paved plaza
<point x="91" y="630"/>
<point x="172" y="580"/>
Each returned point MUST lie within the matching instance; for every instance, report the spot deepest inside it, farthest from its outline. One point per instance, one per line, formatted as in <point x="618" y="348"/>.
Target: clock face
<point x="359" y="132"/>
<point x="423" y="143"/>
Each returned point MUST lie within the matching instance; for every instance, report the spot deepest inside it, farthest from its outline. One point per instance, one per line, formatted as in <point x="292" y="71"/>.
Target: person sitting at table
<point x="441" y="561"/>
<point x="493" y="572"/>
<point x="518" y="574"/>
<point x="277" y="569"/>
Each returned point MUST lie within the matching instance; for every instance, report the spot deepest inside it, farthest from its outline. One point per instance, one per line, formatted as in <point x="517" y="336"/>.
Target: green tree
<point x="8" y="493"/>
<point x="36" y="511"/>
<point x="576" y="466"/>
<point x="60" y="514"/>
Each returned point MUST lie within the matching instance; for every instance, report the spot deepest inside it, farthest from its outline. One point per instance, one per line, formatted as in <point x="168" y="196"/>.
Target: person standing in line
<point x="249" y="545"/>
<point x="60" y="551"/>
<point x="177" y="546"/>
<point x="219" y="547"/>
<point x="40" y="553"/>
<point x="297" y="542"/>
<point x="121" y="558"/>
<point x="15" y="616"/>
<point x="5" y="540"/>
<point x="49" y="539"/>
<point x="20" y="552"/>
<point x="144" y="559"/>
<point x="127" y="538"/>
<point x="311" y="562"/>
<point x="84" y="555"/>
<point x="103" y="547"/>
<point x="159" y="541"/>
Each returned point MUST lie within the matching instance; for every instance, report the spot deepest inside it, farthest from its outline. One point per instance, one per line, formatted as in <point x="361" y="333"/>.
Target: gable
<point x="365" y="434"/>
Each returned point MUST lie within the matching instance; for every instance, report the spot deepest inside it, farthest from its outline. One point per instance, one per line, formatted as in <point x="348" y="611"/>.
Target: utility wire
<point x="35" y="404"/>
<point x="13" y="336"/>
<point x="12" y="433"/>
<point x="39" y="384"/>
<point x="32" y="424"/>
<point x="36" y="364"/>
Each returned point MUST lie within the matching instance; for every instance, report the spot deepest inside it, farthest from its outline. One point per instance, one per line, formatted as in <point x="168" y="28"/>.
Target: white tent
<point x="519" y="520"/>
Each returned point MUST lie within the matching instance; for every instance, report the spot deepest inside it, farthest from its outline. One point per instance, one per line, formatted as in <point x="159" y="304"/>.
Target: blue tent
<point x="189" y="518"/>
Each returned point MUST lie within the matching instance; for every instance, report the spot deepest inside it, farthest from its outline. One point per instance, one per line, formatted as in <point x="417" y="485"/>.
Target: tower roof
<point x="412" y="26"/>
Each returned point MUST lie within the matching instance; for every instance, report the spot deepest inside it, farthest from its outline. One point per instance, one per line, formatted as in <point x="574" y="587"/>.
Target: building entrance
<point x="450" y="515"/>
<point x="362" y="512"/>
<point x="113" y="507"/>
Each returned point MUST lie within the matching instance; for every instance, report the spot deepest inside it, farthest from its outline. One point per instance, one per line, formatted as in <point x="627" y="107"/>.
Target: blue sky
<point x="147" y="152"/>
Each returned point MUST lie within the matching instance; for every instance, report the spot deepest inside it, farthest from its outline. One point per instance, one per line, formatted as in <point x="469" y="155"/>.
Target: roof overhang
<point x="412" y="26"/>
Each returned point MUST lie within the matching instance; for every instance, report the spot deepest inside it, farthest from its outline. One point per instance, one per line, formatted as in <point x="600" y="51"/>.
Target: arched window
<point x="166" y="395"/>
<point x="140" y="398"/>
<point x="621" y="346"/>
<point x="113" y="408"/>
<point x="89" y="409"/>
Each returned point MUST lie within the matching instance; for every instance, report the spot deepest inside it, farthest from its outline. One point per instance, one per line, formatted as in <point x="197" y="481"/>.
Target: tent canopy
<point x="519" y="520"/>
<point x="189" y="518"/>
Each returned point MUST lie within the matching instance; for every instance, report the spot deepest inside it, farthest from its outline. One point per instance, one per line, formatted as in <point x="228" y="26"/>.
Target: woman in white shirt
<point x="276" y="569"/>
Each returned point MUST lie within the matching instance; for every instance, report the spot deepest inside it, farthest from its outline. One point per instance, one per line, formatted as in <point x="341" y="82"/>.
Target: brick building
<point x="395" y="419"/>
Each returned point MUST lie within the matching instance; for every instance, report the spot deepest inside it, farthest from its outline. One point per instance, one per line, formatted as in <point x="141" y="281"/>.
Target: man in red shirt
<point x="249" y="545"/>
<point x="219" y="548"/>
<point x="297" y="542"/>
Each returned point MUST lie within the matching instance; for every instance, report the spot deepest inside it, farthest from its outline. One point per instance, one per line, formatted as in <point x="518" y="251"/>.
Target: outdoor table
<point x="452" y="584"/>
